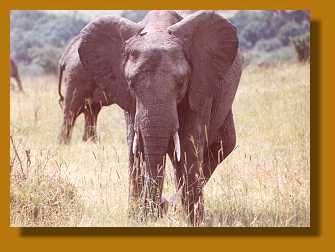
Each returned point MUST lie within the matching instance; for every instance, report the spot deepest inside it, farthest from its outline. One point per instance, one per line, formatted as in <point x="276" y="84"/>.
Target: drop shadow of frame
<point x="313" y="230"/>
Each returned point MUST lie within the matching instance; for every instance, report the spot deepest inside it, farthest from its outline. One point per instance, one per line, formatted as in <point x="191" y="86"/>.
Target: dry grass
<point x="264" y="182"/>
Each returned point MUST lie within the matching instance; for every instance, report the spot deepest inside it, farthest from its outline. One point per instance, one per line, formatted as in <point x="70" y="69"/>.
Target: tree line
<point x="37" y="38"/>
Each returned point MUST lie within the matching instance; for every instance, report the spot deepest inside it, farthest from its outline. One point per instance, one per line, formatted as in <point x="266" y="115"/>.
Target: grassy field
<point x="264" y="182"/>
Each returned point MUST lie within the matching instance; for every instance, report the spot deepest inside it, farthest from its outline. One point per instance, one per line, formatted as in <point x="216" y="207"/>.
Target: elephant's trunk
<point x="154" y="173"/>
<point x="156" y="130"/>
<point x="176" y="142"/>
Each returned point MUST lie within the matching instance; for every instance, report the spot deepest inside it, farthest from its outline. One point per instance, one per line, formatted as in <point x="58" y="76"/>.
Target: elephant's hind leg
<point x="73" y="107"/>
<point x="19" y="83"/>
<point x="67" y="127"/>
<point x="220" y="149"/>
<point x="91" y="116"/>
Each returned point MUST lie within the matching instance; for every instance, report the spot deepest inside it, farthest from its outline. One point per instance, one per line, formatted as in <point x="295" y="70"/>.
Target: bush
<point x="270" y="31"/>
<point x="134" y="15"/>
<point x="47" y="58"/>
<point x="38" y="37"/>
<point x="302" y="48"/>
<point x="268" y="45"/>
<point x="44" y="201"/>
<point x="256" y="57"/>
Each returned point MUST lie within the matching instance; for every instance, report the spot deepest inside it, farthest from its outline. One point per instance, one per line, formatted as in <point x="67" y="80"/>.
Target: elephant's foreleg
<point x="67" y="127"/>
<point x="188" y="172"/>
<point x="91" y="116"/>
<point x="189" y="180"/>
<point x="136" y="176"/>
<point x="18" y="81"/>
<point x="221" y="149"/>
<point x="12" y="86"/>
<point x="73" y="107"/>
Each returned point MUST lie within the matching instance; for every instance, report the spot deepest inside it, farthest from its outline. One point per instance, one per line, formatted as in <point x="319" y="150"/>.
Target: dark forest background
<point x="266" y="37"/>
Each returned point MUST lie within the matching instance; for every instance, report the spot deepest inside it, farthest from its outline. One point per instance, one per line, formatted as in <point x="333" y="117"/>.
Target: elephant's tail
<point x="61" y="97"/>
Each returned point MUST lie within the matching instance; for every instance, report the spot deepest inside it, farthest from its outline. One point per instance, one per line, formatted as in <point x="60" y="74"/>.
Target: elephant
<point x="176" y="79"/>
<point x="80" y="87"/>
<point x="14" y="73"/>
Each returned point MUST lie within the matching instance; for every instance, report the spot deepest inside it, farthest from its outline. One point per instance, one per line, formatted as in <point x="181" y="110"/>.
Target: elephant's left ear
<point x="100" y="51"/>
<point x="212" y="44"/>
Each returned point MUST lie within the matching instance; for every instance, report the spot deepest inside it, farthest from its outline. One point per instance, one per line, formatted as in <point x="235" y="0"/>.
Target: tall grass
<point x="264" y="182"/>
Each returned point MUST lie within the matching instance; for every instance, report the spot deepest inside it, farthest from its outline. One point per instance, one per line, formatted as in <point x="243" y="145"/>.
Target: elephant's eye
<point x="180" y="82"/>
<point x="131" y="84"/>
<point x="140" y="76"/>
<point x="136" y="79"/>
<point x="134" y="54"/>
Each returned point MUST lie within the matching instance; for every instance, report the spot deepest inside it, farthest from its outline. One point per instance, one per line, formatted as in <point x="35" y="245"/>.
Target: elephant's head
<point x="159" y="64"/>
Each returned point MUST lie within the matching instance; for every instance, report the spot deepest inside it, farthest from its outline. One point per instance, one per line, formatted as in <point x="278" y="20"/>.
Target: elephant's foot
<point x="90" y="139"/>
<point x="133" y="209"/>
<point x="172" y="202"/>
<point x="164" y="206"/>
<point x="199" y="213"/>
<point x="139" y="213"/>
<point x="90" y="134"/>
<point x="64" y="139"/>
<point x="193" y="205"/>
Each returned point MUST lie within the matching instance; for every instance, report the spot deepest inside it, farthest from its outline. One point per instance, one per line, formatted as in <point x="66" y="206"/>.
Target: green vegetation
<point x="133" y="15"/>
<point x="39" y="37"/>
<point x="266" y="36"/>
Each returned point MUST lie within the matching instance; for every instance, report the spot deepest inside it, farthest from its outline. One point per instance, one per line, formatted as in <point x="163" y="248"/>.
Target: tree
<point x="134" y="15"/>
<point x="37" y="38"/>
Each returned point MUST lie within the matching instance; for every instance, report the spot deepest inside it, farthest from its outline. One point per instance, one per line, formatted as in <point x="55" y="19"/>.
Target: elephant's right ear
<point x="100" y="52"/>
<point x="212" y="44"/>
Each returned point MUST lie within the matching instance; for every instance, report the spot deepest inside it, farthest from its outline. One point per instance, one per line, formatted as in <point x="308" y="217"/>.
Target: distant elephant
<point x="80" y="87"/>
<point x="176" y="79"/>
<point x="14" y="73"/>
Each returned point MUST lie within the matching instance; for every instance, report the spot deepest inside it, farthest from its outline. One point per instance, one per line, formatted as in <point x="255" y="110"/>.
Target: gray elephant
<point x="14" y="73"/>
<point x="176" y="79"/>
<point x="80" y="87"/>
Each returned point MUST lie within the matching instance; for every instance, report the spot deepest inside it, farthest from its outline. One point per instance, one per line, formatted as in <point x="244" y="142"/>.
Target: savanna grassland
<point x="264" y="182"/>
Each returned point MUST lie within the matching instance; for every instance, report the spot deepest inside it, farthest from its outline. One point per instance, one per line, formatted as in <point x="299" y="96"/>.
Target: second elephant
<point x="79" y="91"/>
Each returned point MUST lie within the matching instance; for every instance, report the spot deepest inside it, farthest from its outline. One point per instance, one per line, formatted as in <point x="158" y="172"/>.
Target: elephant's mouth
<point x="175" y="138"/>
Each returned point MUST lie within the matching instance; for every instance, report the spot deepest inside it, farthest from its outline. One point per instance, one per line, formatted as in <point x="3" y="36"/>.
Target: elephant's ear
<point x="100" y="52"/>
<point x="212" y="44"/>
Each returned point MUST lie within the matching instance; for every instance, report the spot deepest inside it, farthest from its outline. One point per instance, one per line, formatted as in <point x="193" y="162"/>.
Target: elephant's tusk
<point x="177" y="145"/>
<point x="135" y="143"/>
